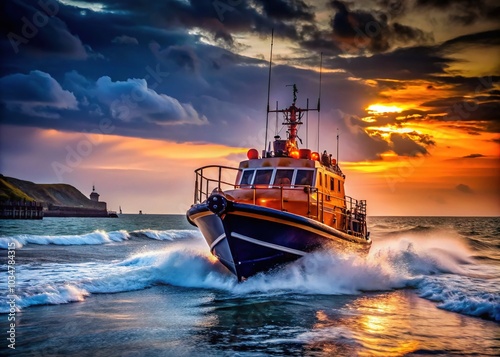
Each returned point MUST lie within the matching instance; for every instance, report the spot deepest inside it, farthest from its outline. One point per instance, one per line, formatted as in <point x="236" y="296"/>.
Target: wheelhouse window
<point x="263" y="177"/>
<point x="332" y="183"/>
<point x="304" y="177"/>
<point x="338" y="185"/>
<point x="246" y="178"/>
<point x="283" y="177"/>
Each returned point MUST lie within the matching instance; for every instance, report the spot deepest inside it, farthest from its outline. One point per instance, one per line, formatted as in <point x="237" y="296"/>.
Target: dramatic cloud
<point x="36" y="93"/>
<point x="402" y="82"/>
<point x="360" y="31"/>
<point x="134" y="101"/>
<point x="464" y="12"/>
<point x="402" y="144"/>
<point x="36" y="27"/>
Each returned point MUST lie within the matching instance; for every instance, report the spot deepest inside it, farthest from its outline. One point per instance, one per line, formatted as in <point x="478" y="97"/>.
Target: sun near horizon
<point x="135" y="99"/>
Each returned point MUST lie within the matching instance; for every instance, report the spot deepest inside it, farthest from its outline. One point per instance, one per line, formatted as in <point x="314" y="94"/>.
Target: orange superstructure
<point x="277" y="207"/>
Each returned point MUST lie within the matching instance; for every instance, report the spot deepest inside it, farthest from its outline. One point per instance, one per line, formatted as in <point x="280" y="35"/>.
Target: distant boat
<point x="140" y="212"/>
<point x="278" y="207"/>
<point x="112" y="214"/>
<point x="121" y="210"/>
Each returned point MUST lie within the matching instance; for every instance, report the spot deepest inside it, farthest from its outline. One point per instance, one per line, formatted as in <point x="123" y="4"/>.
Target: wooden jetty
<point x="21" y="210"/>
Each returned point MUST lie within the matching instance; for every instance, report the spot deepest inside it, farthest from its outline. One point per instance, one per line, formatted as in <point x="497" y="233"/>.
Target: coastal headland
<point x="29" y="200"/>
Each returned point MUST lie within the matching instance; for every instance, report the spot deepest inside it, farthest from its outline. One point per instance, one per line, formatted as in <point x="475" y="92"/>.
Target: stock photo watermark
<point x="83" y="149"/>
<point x="30" y="27"/>
<point x="459" y="111"/>
<point x="121" y="109"/>
<point x="222" y="7"/>
<point x="11" y="296"/>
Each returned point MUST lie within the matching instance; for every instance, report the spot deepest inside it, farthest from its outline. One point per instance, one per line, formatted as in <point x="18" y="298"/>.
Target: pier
<point x="21" y="210"/>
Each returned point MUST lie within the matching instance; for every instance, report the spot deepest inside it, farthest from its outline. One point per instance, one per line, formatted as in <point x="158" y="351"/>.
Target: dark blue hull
<point x="249" y="239"/>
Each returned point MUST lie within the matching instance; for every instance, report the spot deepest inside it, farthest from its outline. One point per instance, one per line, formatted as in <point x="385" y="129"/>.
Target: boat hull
<point x="249" y="239"/>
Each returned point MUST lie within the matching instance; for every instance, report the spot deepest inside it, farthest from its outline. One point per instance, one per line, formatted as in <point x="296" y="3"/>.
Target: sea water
<point x="146" y="285"/>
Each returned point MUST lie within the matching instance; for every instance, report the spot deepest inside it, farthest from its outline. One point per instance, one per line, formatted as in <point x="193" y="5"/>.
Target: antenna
<point x="338" y="134"/>
<point x="277" y="128"/>
<point x="319" y="95"/>
<point x="307" y="123"/>
<point x="269" y="87"/>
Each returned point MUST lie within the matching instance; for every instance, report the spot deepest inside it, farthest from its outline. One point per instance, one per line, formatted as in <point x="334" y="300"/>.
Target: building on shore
<point x="93" y="208"/>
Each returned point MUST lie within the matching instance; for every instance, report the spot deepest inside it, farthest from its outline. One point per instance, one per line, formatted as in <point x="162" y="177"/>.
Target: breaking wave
<point x="441" y="270"/>
<point x="93" y="238"/>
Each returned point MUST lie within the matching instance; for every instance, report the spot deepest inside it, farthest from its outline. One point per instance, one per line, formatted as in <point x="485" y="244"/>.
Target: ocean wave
<point x="170" y="235"/>
<point x="179" y="267"/>
<point x="94" y="238"/>
<point x="452" y="295"/>
<point x="439" y="270"/>
<point x="415" y="229"/>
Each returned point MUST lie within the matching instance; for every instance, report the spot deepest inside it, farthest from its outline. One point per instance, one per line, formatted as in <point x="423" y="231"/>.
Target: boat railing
<point x="351" y="212"/>
<point x="211" y="177"/>
<point x="223" y="178"/>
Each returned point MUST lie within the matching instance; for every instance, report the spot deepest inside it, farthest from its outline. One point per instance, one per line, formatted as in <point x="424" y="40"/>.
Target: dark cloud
<point x="468" y="110"/>
<point x="361" y="31"/>
<point x="463" y="188"/>
<point x="405" y="64"/>
<point x="480" y="38"/>
<point x="287" y="9"/>
<point x="181" y="56"/>
<point x="134" y="101"/>
<point x="219" y="18"/>
<point x="36" y="27"/>
<point x="463" y="12"/>
<point x="357" y="143"/>
<point x="39" y="95"/>
<point x="172" y="70"/>
<point x="473" y="156"/>
<point x="404" y="145"/>
<point x="36" y="93"/>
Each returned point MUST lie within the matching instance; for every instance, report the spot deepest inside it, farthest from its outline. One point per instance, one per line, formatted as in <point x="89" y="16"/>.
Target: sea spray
<point x="436" y="268"/>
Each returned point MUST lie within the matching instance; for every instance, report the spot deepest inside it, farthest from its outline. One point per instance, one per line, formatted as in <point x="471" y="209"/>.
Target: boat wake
<point x="439" y="269"/>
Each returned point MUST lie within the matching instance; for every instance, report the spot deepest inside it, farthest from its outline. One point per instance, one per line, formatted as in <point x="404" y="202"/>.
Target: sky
<point x="133" y="96"/>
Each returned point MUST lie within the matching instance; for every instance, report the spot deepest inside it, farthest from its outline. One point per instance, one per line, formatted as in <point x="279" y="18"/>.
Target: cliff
<point x="57" y="199"/>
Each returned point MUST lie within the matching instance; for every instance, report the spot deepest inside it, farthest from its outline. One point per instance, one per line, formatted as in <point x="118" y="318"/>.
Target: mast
<point x="292" y="119"/>
<point x="269" y="89"/>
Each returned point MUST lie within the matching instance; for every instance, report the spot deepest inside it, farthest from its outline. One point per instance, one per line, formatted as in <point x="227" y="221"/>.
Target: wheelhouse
<point x="279" y="176"/>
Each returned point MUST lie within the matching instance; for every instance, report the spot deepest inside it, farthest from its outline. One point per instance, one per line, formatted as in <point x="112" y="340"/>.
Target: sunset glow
<point x="381" y="108"/>
<point x="133" y="100"/>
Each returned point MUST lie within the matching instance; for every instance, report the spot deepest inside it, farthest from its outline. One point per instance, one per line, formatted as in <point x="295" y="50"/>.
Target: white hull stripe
<point x="269" y="245"/>
<point x="219" y="238"/>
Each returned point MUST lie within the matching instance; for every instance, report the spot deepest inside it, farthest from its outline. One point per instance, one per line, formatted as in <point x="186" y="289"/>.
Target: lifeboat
<point x="277" y="207"/>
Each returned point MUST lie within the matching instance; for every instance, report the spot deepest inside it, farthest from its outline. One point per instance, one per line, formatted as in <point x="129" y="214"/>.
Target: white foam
<point x="48" y="295"/>
<point x="96" y="237"/>
<point x="437" y="271"/>
<point x="170" y="235"/>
